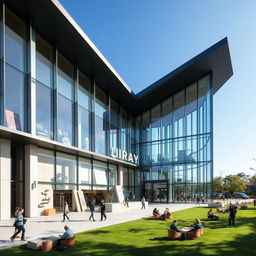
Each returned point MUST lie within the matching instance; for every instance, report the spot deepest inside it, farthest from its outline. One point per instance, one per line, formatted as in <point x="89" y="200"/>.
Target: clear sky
<point x="146" y="39"/>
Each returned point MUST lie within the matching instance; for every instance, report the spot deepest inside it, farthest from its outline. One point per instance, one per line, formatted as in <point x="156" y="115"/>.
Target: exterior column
<point x="120" y="179"/>
<point x="5" y="179"/>
<point x="31" y="177"/>
<point x="32" y="81"/>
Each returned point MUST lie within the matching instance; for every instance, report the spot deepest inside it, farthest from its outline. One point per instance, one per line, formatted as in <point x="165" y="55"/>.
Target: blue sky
<point x="146" y="39"/>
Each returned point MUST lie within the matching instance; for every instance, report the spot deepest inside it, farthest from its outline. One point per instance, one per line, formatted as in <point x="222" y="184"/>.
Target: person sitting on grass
<point x="66" y="235"/>
<point x="196" y="226"/>
<point x="212" y="215"/>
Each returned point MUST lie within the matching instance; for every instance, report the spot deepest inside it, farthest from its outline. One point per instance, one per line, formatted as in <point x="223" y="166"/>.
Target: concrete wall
<point x="31" y="178"/>
<point x="5" y="179"/>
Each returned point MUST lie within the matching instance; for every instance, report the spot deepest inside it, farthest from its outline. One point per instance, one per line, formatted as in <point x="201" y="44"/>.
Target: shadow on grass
<point x="150" y="218"/>
<point x="164" y="238"/>
<point x="136" y="230"/>
<point x="97" y="232"/>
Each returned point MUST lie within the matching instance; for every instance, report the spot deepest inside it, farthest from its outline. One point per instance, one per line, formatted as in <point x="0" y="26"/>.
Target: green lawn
<point x="149" y="237"/>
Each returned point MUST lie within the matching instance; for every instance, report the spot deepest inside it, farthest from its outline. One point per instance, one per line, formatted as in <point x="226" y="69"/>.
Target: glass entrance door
<point x="156" y="191"/>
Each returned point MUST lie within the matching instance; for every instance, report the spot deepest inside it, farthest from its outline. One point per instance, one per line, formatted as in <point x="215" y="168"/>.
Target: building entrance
<point x="17" y="177"/>
<point x="156" y="191"/>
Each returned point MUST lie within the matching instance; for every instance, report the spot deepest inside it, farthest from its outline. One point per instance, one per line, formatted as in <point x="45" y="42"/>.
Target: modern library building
<point x="69" y="122"/>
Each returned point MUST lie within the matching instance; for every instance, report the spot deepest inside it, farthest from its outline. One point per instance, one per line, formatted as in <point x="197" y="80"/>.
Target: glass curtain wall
<point x="100" y="109"/>
<point x="84" y="110"/>
<point x="65" y="101"/>
<point x="15" y="71"/>
<point x="176" y="142"/>
<point x="44" y="88"/>
<point x="114" y="125"/>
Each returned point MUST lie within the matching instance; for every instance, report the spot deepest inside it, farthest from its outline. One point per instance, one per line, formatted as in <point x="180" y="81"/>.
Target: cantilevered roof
<point x="53" y="22"/>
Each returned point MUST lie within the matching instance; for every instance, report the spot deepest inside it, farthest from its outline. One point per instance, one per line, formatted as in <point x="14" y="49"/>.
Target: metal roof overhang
<point x="53" y="22"/>
<point x="215" y="60"/>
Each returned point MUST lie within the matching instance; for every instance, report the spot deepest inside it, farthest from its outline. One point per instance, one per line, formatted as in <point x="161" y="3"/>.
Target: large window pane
<point x="112" y="174"/>
<point x="44" y="65"/>
<point x="15" y="41"/>
<point x="100" y="173"/>
<point x="65" y="77"/>
<point x="156" y="123"/>
<point x="146" y="127"/>
<point x="65" y="101"/>
<point x="114" y="124"/>
<point x="44" y="111"/>
<point x="46" y="165"/>
<point x="14" y="98"/>
<point x="191" y="109"/>
<point x="84" y="97"/>
<point x="100" y="121"/>
<point x="84" y="173"/>
<point x="65" y="120"/>
<point x="167" y="119"/>
<point x="204" y="112"/>
<point x="65" y="168"/>
<point x="178" y="114"/>
<point x="124" y="131"/>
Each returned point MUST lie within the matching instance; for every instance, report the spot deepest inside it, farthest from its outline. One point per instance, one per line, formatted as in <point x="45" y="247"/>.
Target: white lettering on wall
<point x="122" y="155"/>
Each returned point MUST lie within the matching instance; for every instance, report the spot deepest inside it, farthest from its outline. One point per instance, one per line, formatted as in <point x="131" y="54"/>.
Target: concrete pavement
<point x="44" y="226"/>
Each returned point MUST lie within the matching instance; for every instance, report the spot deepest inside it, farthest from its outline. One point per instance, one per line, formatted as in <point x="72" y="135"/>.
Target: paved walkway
<point x="43" y="226"/>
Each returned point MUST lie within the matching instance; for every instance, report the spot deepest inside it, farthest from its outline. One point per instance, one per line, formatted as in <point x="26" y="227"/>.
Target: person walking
<point x="143" y="203"/>
<point x="17" y="209"/>
<point x="19" y="222"/>
<point x="91" y="206"/>
<point x="102" y="210"/>
<point x="198" y="200"/>
<point x="232" y="215"/>
<point x="126" y="202"/>
<point x="65" y="211"/>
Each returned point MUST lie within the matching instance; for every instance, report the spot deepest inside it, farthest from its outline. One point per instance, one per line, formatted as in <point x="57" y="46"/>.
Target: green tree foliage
<point x="218" y="184"/>
<point x="252" y="179"/>
<point x="243" y="176"/>
<point x="232" y="183"/>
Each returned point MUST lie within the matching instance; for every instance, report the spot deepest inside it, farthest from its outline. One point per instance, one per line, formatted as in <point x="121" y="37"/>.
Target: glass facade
<point x="176" y="142"/>
<point x="48" y="95"/>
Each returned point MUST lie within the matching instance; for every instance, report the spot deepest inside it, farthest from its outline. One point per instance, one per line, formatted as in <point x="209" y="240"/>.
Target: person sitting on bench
<point x="174" y="227"/>
<point x="196" y="226"/>
<point x="212" y="215"/>
<point x="156" y="212"/>
<point x="67" y="234"/>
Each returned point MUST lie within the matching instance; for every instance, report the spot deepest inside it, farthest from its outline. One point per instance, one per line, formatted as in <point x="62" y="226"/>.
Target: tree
<point x="234" y="183"/>
<point x="252" y="179"/>
<point x="243" y="176"/>
<point x="218" y="184"/>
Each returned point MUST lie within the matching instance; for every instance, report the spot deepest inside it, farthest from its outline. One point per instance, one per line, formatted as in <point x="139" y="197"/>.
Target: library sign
<point x="123" y="155"/>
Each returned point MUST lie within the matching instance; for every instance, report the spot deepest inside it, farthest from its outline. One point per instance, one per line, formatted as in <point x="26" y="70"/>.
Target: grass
<point x="149" y="237"/>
